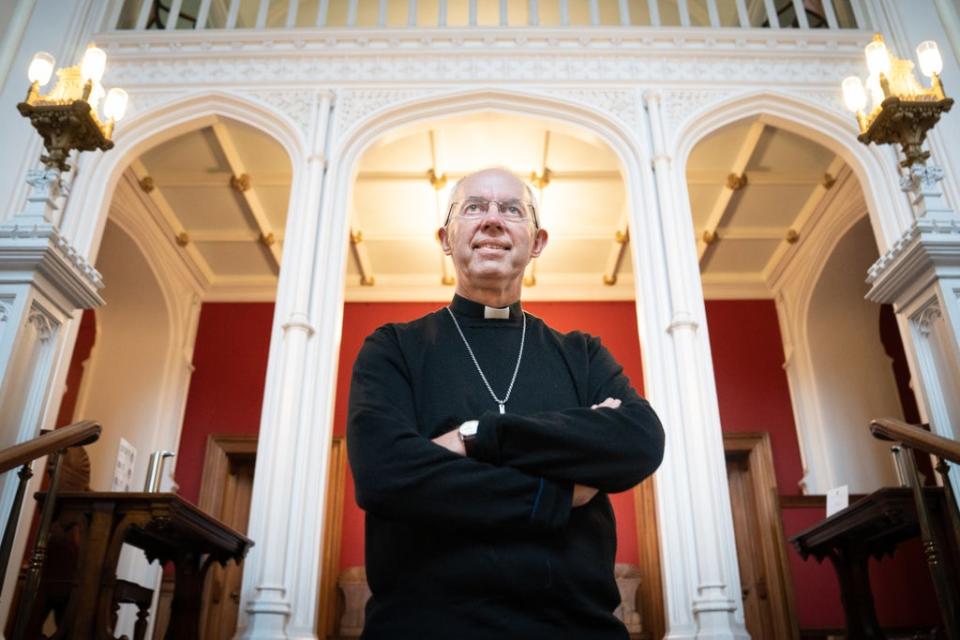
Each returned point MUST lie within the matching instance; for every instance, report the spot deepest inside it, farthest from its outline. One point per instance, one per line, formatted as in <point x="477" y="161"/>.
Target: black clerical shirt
<point x="489" y="546"/>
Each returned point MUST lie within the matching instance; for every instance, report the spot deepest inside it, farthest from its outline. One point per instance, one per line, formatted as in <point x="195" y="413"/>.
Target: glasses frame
<point x="500" y="206"/>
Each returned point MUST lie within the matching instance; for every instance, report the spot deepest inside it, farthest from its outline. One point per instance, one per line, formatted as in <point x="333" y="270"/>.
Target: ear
<point x="444" y="241"/>
<point x="539" y="242"/>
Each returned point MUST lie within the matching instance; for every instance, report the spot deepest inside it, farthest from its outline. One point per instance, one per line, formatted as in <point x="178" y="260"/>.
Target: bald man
<point x="483" y="444"/>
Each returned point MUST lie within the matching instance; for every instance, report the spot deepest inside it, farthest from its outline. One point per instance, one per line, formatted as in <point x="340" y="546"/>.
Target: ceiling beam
<point x="621" y="237"/>
<point x="362" y="258"/>
<point x="416" y="176"/>
<point x="248" y="193"/>
<point x="166" y="217"/>
<point x="715" y="177"/>
<point x="800" y="222"/>
<point x="217" y="179"/>
<point x="735" y="181"/>
<point x="228" y="235"/>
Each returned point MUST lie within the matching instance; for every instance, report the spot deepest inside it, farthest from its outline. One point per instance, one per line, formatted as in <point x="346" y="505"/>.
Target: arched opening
<point x="396" y="271"/>
<point x="190" y="255"/>
<point x="784" y="242"/>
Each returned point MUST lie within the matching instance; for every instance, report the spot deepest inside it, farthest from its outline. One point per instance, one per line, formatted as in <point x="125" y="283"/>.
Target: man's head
<point x="492" y="233"/>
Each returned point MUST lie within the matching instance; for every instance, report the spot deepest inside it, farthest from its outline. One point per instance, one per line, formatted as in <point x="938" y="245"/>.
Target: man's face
<point x="491" y="250"/>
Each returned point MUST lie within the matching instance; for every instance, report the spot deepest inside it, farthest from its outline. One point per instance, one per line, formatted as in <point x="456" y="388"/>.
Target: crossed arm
<point x="527" y="472"/>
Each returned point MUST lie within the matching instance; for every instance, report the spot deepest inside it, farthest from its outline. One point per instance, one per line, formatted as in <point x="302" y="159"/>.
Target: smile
<point x="489" y="245"/>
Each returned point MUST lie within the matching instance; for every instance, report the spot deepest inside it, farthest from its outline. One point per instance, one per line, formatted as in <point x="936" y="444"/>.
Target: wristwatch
<point x="468" y="435"/>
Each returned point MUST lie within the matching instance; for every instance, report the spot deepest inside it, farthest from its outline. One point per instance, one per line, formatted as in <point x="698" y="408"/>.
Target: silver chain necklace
<point x="523" y="336"/>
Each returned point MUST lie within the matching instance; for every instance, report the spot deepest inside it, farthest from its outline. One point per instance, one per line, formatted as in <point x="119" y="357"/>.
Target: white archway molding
<point x="100" y="172"/>
<point x="875" y="168"/>
<point x="701" y="590"/>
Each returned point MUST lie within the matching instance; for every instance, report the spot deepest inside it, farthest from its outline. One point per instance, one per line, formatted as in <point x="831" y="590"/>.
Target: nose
<point x="492" y="216"/>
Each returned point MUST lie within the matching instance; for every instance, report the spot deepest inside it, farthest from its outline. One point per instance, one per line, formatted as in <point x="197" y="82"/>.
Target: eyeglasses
<point x="510" y="210"/>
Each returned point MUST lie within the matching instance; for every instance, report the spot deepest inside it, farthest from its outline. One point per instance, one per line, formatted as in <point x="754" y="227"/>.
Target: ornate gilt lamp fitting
<point x="67" y="118"/>
<point x="902" y="111"/>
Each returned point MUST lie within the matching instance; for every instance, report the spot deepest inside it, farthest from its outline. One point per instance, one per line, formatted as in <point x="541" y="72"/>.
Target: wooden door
<point x="761" y="550"/>
<point x="224" y="583"/>
<point x="225" y="492"/>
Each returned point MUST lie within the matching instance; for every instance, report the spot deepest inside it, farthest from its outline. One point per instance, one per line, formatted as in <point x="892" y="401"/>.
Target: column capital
<point x="29" y="250"/>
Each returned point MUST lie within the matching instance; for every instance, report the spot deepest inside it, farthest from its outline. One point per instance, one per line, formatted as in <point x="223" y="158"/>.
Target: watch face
<point x="469" y="429"/>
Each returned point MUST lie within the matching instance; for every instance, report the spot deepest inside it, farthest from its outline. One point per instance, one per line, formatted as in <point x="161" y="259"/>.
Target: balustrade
<point x="201" y="15"/>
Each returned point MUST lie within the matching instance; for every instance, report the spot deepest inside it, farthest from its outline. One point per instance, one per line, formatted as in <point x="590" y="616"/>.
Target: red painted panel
<point x="86" y="336"/>
<point x="226" y="388"/>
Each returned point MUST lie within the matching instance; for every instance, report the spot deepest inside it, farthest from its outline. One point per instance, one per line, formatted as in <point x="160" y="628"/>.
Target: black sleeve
<point x="609" y="449"/>
<point x="402" y="475"/>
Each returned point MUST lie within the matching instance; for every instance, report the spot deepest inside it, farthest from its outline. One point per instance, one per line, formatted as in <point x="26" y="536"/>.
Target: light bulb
<point x="854" y="95"/>
<point x="93" y="64"/>
<point x="929" y="56"/>
<point x="876" y="91"/>
<point x="115" y="105"/>
<point x="41" y="68"/>
<point x="878" y="58"/>
<point x="96" y="94"/>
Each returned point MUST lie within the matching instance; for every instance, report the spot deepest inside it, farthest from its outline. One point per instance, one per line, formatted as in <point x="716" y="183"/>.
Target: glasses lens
<point x="510" y="210"/>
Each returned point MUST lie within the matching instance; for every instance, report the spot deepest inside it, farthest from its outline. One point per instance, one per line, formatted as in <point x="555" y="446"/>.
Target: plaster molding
<point x="928" y="248"/>
<point x="26" y="250"/>
<point x="355" y="105"/>
<point x="45" y="326"/>
<point x="623" y="104"/>
<point x="925" y="318"/>
<point x="296" y="104"/>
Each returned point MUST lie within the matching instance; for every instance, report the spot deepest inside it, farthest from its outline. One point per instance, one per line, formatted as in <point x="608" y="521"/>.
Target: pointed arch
<point x="873" y="167"/>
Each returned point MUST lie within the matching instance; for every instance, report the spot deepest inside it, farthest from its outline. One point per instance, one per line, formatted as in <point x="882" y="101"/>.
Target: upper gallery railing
<point x="200" y="15"/>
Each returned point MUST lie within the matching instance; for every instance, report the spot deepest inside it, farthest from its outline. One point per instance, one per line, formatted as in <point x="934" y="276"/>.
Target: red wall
<point x="86" y="336"/>
<point x="226" y="393"/>
<point x="754" y="396"/>
<point x="226" y="388"/>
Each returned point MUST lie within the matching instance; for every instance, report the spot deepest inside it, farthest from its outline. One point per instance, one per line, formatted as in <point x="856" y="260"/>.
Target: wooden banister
<point x="79" y="433"/>
<point x="916" y="438"/>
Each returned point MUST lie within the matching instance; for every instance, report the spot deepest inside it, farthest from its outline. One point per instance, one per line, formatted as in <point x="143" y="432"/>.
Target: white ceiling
<point x="235" y="235"/>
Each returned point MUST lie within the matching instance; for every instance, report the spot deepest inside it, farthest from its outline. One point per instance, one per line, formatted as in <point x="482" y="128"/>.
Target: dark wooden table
<point x="871" y="527"/>
<point x="93" y="526"/>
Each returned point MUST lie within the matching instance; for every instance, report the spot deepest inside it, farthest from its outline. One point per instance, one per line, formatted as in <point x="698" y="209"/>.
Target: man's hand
<point x="582" y="494"/>
<point x="609" y="403"/>
<point x="452" y="442"/>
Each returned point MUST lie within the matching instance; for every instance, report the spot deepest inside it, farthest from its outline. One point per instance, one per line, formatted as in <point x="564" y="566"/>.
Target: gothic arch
<point x="874" y="168"/>
<point x="152" y="127"/>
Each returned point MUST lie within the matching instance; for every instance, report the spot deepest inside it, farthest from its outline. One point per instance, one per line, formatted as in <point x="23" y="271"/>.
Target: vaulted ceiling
<point x="221" y="193"/>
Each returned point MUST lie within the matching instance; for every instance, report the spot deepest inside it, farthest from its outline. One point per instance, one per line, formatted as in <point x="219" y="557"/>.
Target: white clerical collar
<point x="493" y="313"/>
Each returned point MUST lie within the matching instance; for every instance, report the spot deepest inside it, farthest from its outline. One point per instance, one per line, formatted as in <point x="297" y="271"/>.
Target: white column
<point x="700" y="561"/>
<point x="281" y="573"/>
<point x="42" y="282"/>
<point x="920" y="276"/>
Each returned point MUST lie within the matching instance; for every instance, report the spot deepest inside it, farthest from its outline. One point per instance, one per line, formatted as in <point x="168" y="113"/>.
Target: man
<point x="479" y="439"/>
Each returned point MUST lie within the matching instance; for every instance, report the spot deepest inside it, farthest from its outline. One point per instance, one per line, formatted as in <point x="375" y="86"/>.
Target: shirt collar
<point x="470" y="309"/>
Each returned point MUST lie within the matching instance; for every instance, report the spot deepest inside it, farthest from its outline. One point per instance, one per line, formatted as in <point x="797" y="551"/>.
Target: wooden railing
<point x="914" y="438"/>
<point x="51" y="443"/>
<point x="288" y="14"/>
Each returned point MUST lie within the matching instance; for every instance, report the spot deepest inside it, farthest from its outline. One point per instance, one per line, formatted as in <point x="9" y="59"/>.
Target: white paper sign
<point x="123" y="470"/>
<point x="838" y="499"/>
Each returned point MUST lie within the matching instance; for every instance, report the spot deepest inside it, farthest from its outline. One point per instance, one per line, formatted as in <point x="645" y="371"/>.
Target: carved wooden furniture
<point x="164" y="526"/>
<point x="874" y="526"/>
